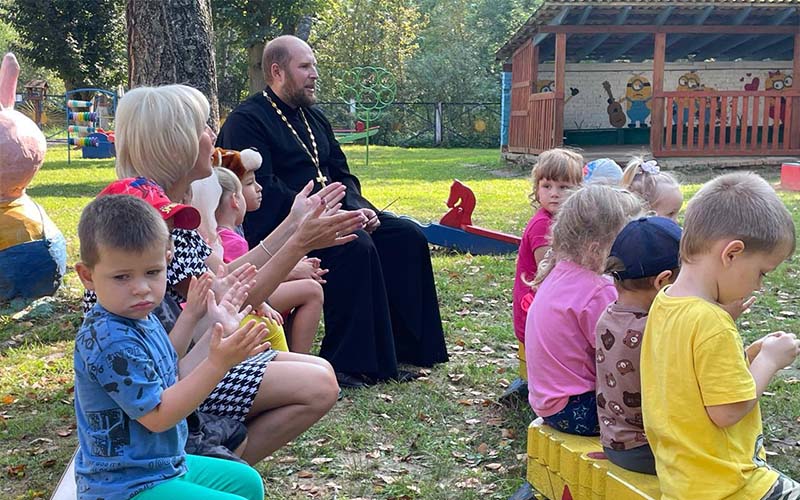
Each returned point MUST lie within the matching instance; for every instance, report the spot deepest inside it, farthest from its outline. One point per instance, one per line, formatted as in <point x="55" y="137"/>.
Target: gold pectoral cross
<point x="321" y="178"/>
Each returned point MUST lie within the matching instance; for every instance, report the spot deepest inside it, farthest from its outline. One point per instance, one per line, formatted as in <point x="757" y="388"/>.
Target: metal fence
<point x="406" y="124"/>
<point x="428" y="124"/>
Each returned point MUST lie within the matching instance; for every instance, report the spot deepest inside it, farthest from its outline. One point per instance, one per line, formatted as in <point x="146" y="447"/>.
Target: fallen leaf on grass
<point x="496" y="421"/>
<point x="483" y="448"/>
<point x="386" y="479"/>
<point x="49" y="463"/>
<point x="305" y="474"/>
<point x="16" y="471"/>
<point x="507" y="433"/>
<point x="374" y="454"/>
<point x="465" y="402"/>
<point x="470" y="482"/>
<point x="455" y="377"/>
<point x="386" y="397"/>
<point x="493" y="466"/>
<point x="64" y="432"/>
<point x="321" y="460"/>
<point x="8" y="399"/>
<point x="287" y="460"/>
<point x="472" y="421"/>
<point x="503" y="382"/>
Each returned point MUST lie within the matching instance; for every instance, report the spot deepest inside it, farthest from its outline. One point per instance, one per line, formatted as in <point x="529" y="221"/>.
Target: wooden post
<point x="560" y="76"/>
<point x="657" y="114"/>
<point x="794" y="121"/>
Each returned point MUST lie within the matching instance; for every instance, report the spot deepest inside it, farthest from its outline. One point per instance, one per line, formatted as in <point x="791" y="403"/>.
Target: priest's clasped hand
<point x="372" y="220"/>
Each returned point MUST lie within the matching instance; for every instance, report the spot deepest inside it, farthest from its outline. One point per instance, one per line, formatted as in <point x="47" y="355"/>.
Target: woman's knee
<point x="325" y="389"/>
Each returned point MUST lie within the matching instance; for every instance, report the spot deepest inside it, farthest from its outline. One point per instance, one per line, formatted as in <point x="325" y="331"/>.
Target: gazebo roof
<point x="606" y="30"/>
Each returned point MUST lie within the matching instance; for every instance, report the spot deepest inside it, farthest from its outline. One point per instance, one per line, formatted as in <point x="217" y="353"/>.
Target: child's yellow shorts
<point x="276" y="335"/>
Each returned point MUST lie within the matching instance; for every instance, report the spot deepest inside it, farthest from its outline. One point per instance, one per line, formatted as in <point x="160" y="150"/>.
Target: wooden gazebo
<point x="696" y="121"/>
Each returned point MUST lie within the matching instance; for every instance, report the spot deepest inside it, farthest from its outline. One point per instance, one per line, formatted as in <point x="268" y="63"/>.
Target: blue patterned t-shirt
<point x="121" y="368"/>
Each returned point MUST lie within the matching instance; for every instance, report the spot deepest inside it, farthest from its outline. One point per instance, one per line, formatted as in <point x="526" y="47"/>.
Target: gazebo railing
<point x="734" y="123"/>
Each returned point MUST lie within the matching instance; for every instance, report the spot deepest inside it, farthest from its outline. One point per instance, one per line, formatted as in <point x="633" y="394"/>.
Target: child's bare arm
<point x="179" y="400"/>
<point x="777" y="350"/>
<point x="539" y="254"/>
<point x="228" y="312"/>
<point x="195" y="308"/>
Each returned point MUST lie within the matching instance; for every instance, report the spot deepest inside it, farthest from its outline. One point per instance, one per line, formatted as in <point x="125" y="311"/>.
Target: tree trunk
<point x="170" y="41"/>
<point x="255" y="75"/>
<point x="303" y="30"/>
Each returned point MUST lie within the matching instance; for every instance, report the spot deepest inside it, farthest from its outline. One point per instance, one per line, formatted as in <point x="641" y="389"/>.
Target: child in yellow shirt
<point x="700" y="388"/>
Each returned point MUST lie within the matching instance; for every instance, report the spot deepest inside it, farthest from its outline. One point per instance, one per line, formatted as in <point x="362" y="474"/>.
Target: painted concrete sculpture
<point x="33" y="252"/>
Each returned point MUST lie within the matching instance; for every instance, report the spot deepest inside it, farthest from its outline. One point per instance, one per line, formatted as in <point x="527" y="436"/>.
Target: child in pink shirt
<point x="571" y="296"/>
<point x="301" y="292"/>
<point x="556" y="171"/>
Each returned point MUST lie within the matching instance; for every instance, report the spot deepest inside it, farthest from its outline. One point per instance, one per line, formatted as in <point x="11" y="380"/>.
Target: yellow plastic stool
<point x="559" y="463"/>
<point x="523" y="366"/>
<point x="276" y="336"/>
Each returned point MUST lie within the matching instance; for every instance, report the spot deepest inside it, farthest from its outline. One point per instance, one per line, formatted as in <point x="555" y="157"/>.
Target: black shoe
<point x="348" y="381"/>
<point x="407" y="376"/>
<point x="517" y="391"/>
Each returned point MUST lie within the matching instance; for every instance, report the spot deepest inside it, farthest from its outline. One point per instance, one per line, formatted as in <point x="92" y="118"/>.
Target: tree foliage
<point x="365" y="33"/>
<point x="456" y="58"/>
<point x="242" y="27"/>
<point x="83" y="41"/>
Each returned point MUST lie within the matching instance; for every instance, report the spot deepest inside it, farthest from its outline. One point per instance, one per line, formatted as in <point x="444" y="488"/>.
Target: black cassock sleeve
<point x="245" y="130"/>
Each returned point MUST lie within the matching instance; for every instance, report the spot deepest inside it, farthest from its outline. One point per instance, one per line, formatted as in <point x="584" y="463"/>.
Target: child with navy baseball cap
<point x="643" y="259"/>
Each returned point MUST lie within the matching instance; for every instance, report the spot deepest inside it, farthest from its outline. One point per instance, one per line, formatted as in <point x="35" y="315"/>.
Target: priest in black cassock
<point x="380" y="298"/>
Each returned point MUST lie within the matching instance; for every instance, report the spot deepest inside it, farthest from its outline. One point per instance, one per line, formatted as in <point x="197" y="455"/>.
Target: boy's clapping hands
<point x="245" y="341"/>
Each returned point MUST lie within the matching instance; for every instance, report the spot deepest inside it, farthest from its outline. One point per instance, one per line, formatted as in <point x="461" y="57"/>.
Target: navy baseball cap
<point x="646" y="247"/>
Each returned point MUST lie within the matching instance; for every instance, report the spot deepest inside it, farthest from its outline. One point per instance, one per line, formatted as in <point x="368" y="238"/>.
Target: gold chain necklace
<point x="314" y="157"/>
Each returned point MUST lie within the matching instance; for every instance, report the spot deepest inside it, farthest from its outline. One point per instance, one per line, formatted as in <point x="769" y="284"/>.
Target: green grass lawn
<point x="441" y="437"/>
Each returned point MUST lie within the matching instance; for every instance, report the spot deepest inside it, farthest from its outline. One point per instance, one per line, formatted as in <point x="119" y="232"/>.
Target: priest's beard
<point x="296" y="95"/>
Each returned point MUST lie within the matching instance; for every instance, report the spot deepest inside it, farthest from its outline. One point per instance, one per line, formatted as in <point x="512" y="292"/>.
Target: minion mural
<point x="689" y="82"/>
<point x="638" y="94"/>
<point x="777" y="80"/>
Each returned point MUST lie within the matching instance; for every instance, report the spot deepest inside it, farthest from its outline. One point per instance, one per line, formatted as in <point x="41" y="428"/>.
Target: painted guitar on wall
<point x="616" y="116"/>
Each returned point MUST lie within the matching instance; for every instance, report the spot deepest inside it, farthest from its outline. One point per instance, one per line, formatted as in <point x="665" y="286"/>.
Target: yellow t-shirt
<point x="693" y="357"/>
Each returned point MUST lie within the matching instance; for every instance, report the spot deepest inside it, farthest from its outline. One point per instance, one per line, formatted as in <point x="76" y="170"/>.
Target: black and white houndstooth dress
<point x="233" y="396"/>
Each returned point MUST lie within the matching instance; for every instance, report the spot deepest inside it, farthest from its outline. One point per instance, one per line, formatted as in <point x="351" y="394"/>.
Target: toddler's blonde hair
<point x="738" y="206"/>
<point x="229" y="183"/>
<point x="595" y="213"/>
<point x="557" y="164"/>
<point x="647" y="180"/>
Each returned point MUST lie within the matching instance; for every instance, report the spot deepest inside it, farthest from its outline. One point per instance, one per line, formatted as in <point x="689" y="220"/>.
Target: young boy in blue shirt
<point x="129" y="404"/>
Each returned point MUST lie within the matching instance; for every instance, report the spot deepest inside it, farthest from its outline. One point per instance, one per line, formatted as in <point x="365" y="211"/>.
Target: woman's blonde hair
<point x="158" y="131"/>
<point x="229" y="183"/>
<point x="646" y="179"/>
<point x="558" y="164"/>
<point x="595" y="213"/>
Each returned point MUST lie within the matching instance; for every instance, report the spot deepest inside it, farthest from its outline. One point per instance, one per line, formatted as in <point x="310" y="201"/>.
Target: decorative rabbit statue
<point x="33" y="252"/>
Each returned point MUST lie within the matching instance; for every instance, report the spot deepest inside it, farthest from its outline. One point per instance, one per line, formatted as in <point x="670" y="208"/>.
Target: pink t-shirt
<point x="233" y="245"/>
<point x="534" y="236"/>
<point x="560" y="335"/>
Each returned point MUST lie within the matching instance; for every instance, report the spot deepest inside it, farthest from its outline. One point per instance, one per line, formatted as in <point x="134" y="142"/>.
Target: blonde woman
<point x="161" y="133"/>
